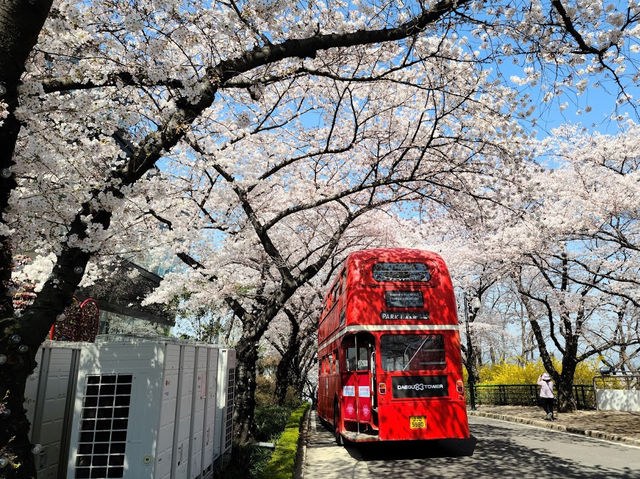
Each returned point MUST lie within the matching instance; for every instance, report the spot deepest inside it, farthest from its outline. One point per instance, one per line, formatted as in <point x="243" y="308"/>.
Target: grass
<point x="250" y="461"/>
<point x="283" y="460"/>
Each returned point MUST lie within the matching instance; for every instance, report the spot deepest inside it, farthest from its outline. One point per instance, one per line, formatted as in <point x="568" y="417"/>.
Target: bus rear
<point x="401" y="366"/>
<point x="420" y="394"/>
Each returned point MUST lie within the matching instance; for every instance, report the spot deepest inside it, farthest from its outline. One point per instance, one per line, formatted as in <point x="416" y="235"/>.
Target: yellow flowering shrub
<point x="514" y="371"/>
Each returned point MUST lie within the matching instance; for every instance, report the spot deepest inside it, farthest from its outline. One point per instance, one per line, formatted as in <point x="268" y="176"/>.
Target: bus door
<point x="358" y="378"/>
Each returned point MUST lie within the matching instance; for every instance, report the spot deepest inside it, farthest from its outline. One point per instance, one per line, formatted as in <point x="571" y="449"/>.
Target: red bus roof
<point x="393" y="254"/>
<point x="364" y="296"/>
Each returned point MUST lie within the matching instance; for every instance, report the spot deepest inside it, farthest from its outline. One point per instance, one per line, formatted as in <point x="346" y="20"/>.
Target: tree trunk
<point x="244" y="401"/>
<point x="566" y="397"/>
<point x="286" y="364"/>
<point x="470" y="361"/>
<point x="20" y="25"/>
<point x="303" y="365"/>
<point x="20" y="339"/>
<point x="14" y="426"/>
<point x="565" y="393"/>
<point x="283" y="377"/>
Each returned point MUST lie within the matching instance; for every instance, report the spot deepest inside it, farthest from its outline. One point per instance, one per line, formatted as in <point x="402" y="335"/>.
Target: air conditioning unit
<point x="131" y="408"/>
<point x="149" y="409"/>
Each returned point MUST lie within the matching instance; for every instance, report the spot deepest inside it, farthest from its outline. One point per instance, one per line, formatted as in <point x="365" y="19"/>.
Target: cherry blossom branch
<point x="585" y="49"/>
<point x="114" y="79"/>
<point x="535" y="327"/>
<point x="525" y="295"/>
<point x="569" y="26"/>
<point x="247" y="23"/>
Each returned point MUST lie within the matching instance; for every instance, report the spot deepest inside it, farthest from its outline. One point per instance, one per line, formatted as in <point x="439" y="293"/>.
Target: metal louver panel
<point x="229" y="419"/>
<point x="103" y="429"/>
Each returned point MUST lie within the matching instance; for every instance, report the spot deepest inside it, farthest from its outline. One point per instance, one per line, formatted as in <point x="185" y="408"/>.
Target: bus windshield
<point x="412" y="352"/>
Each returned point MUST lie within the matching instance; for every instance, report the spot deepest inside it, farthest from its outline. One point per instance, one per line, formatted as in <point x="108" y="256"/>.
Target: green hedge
<point x="270" y="421"/>
<point x="283" y="461"/>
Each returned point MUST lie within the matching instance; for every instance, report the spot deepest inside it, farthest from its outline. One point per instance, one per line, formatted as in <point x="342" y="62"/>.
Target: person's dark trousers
<point x="547" y="404"/>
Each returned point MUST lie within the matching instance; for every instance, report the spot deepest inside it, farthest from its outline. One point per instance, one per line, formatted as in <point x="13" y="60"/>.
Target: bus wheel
<point x="336" y="420"/>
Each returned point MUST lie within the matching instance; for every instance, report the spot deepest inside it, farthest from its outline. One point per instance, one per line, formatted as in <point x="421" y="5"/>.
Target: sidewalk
<point x="321" y="457"/>
<point x="609" y="425"/>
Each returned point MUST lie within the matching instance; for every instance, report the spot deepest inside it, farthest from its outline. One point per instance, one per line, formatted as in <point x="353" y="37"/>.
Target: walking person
<point x="546" y="395"/>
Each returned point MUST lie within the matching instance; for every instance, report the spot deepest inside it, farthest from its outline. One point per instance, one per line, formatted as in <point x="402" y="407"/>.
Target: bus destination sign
<point x="404" y="315"/>
<point x="404" y="299"/>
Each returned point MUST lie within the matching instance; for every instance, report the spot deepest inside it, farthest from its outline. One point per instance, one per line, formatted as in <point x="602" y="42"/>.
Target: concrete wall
<point x="618" y="400"/>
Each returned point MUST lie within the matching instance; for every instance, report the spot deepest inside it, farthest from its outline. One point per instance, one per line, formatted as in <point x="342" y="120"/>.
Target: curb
<point x="559" y="427"/>
<point x="302" y="443"/>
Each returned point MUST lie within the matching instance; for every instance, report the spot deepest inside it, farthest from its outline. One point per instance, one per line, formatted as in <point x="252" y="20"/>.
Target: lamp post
<point x="475" y="306"/>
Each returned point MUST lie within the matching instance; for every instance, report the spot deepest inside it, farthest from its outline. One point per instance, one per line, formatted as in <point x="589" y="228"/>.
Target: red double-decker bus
<point x="390" y="366"/>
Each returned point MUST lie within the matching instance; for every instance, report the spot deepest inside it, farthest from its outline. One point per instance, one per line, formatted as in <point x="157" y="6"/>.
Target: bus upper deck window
<point x="418" y="272"/>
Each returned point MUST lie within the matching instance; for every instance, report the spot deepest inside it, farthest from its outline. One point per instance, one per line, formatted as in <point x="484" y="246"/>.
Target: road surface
<point x="502" y="450"/>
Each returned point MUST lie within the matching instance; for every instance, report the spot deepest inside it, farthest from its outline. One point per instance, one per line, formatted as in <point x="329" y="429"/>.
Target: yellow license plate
<point x="417" y="422"/>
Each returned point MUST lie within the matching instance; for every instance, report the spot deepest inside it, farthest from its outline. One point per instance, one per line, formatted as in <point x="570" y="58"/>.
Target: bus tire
<point x="336" y="420"/>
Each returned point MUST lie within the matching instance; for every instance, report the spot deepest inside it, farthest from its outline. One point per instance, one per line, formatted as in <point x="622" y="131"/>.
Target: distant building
<point x="119" y="298"/>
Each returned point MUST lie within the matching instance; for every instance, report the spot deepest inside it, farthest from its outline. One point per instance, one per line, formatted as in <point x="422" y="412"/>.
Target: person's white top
<point x="546" y="388"/>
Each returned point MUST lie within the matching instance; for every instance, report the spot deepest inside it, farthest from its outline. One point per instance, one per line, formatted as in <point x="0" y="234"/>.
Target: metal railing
<point x="628" y="381"/>
<point x="526" y="395"/>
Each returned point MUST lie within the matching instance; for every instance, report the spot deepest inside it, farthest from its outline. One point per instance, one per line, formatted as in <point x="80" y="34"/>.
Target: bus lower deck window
<point x="412" y="352"/>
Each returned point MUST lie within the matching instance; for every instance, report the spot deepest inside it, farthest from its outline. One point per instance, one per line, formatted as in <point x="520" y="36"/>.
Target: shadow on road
<point x="413" y="449"/>
<point x="492" y="452"/>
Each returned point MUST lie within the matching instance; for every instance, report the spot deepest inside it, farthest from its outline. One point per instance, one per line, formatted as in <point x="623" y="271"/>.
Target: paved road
<point x="502" y="450"/>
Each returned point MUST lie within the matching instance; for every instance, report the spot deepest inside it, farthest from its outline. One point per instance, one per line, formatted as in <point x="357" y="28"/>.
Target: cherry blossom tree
<point x="569" y="250"/>
<point x="589" y="275"/>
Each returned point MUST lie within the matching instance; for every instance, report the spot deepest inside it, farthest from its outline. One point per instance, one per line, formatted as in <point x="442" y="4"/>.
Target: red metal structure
<point x="79" y="322"/>
<point x="390" y="366"/>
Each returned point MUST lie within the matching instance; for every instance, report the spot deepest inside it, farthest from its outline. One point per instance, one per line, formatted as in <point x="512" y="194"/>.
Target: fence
<point x="526" y="395"/>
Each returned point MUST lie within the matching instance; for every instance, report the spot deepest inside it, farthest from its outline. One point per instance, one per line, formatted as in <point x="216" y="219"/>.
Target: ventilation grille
<point x="103" y="429"/>
<point x="228" y="436"/>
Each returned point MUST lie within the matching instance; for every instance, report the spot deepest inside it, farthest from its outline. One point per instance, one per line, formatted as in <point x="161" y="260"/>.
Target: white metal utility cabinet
<point x="138" y="408"/>
<point x="149" y="409"/>
<point x="49" y="396"/>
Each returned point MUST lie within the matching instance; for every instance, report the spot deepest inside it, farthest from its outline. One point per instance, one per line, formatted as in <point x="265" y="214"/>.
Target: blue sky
<point x="595" y="109"/>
